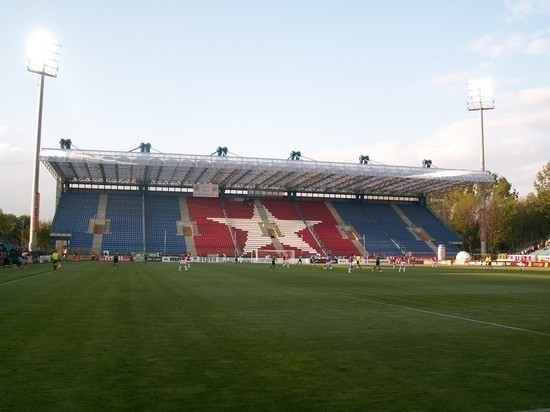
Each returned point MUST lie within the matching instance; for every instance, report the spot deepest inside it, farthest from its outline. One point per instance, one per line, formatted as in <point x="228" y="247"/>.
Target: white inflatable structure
<point x="463" y="258"/>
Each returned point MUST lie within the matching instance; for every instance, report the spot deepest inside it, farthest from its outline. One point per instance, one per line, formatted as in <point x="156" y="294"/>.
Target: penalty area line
<point x="498" y="325"/>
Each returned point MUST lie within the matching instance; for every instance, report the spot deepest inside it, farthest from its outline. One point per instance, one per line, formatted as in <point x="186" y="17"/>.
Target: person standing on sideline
<point x="115" y="260"/>
<point x="55" y="259"/>
<point x="377" y="264"/>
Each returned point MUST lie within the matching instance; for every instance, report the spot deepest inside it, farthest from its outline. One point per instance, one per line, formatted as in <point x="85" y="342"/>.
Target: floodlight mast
<point x="43" y="52"/>
<point x="480" y="97"/>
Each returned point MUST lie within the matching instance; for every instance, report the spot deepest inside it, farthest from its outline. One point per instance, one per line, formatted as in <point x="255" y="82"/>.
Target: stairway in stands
<point x="267" y="223"/>
<point x="100" y="217"/>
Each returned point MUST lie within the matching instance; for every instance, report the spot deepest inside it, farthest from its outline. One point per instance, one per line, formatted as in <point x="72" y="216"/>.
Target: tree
<point x="463" y="207"/>
<point x="500" y="214"/>
<point x="20" y="231"/>
<point x="542" y="180"/>
<point x="5" y="225"/>
<point x="9" y="226"/>
<point x="43" y="236"/>
<point x="533" y="221"/>
<point x="526" y="224"/>
<point x="15" y="230"/>
<point x="542" y="201"/>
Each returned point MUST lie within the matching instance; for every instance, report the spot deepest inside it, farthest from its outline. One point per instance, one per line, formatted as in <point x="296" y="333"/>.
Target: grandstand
<point x="233" y="206"/>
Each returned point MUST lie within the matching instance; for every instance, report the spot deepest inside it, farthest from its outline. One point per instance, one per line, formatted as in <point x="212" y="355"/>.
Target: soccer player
<point x="403" y="263"/>
<point x="377" y="264"/>
<point x="328" y="262"/>
<point x="184" y="262"/>
<point x="115" y="260"/>
<point x="55" y="259"/>
<point x="286" y="262"/>
<point x="351" y="263"/>
<point x="273" y="262"/>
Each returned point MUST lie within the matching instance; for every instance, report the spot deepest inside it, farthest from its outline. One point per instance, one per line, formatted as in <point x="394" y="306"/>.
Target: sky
<point x="332" y="79"/>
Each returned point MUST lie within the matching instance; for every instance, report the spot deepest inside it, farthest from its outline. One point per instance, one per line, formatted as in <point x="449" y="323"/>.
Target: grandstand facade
<point x="232" y="206"/>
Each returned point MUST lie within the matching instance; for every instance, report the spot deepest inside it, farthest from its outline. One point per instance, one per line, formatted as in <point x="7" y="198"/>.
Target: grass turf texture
<point x="242" y="337"/>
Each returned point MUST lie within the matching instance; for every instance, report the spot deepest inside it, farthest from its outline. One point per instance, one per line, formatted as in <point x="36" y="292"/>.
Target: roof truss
<point x="180" y="170"/>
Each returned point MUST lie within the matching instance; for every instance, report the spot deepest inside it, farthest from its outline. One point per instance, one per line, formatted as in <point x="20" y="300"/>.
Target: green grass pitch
<point x="227" y="337"/>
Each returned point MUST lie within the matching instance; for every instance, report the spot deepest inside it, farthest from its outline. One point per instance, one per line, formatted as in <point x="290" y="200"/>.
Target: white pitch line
<point x="498" y="325"/>
<point x="47" y="272"/>
<point x="25" y="278"/>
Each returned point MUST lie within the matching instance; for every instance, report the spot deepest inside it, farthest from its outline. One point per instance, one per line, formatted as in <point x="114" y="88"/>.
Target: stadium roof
<point x="109" y="168"/>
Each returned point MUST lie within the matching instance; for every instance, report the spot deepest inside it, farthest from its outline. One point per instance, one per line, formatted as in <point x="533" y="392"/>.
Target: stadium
<point x="146" y="336"/>
<point x="216" y="205"/>
<point x="187" y="306"/>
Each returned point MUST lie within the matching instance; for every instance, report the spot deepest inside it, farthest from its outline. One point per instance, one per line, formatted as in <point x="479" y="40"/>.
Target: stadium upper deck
<point x="90" y="168"/>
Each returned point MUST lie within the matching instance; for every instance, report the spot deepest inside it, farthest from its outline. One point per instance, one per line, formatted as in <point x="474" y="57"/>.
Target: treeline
<point x="15" y="230"/>
<point x="512" y="224"/>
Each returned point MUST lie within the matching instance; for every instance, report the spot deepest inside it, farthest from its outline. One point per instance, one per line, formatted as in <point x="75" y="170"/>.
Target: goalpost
<point x="264" y="255"/>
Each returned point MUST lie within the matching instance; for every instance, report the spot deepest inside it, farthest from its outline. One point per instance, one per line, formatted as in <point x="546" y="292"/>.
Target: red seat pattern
<point x="286" y="210"/>
<point x="238" y="209"/>
<point x="216" y="238"/>
<point x="327" y="230"/>
<point x="213" y="237"/>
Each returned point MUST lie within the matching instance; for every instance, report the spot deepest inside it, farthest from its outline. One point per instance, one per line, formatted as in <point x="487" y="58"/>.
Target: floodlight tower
<point x="480" y="97"/>
<point x="43" y="54"/>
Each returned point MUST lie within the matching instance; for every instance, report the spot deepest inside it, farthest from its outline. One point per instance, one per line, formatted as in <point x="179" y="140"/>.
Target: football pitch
<point x="147" y="337"/>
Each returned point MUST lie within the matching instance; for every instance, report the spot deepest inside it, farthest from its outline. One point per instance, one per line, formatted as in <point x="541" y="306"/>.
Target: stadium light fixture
<point x="43" y="53"/>
<point x="480" y="97"/>
<point x="295" y="155"/>
<point x="221" y="151"/>
<point x="65" y="143"/>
